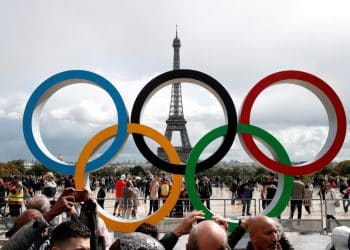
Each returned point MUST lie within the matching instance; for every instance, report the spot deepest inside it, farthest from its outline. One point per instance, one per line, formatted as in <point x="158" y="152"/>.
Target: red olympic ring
<point x="336" y="116"/>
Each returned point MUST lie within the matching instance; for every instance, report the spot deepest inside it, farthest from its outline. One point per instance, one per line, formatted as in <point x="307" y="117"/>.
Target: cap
<point x="49" y="175"/>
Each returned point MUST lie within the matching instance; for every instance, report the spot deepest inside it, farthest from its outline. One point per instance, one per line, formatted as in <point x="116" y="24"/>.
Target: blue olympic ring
<point x="38" y="99"/>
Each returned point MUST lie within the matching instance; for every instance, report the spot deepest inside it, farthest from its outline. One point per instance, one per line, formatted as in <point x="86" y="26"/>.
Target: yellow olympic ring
<point x="81" y="179"/>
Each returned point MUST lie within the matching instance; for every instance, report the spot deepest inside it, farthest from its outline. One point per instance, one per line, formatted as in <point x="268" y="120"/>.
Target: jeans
<point x="153" y="205"/>
<point x="295" y="204"/>
<point x="207" y="200"/>
<point x="246" y="206"/>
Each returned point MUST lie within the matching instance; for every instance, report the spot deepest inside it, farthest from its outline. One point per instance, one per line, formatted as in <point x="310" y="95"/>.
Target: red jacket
<point x="119" y="185"/>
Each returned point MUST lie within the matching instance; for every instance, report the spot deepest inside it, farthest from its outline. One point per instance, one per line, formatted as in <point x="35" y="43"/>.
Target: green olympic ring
<point x="281" y="198"/>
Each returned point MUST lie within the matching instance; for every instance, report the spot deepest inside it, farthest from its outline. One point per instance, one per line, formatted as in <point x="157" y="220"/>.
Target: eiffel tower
<point x="176" y="120"/>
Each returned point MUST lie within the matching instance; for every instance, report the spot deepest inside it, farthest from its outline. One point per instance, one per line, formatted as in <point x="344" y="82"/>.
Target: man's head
<point x="129" y="184"/>
<point x="149" y="229"/>
<point x="263" y="233"/>
<point x="207" y="235"/>
<point x="271" y="176"/>
<point x="136" y="241"/>
<point x="70" y="235"/>
<point x="16" y="179"/>
<point x="40" y="202"/>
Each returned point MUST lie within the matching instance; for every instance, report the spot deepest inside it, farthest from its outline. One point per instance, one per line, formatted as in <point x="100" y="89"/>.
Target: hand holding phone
<point x="80" y="195"/>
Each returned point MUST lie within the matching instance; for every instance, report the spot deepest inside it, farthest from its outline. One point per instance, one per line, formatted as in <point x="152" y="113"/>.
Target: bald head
<point x="256" y="222"/>
<point x="207" y="235"/>
<point x="263" y="232"/>
<point x="39" y="202"/>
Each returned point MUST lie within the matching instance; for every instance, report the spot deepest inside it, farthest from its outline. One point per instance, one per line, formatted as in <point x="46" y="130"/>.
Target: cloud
<point x="12" y="107"/>
<point x="85" y="112"/>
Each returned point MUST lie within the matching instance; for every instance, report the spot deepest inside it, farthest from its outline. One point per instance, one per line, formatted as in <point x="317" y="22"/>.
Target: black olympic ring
<point x="196" y="77"/>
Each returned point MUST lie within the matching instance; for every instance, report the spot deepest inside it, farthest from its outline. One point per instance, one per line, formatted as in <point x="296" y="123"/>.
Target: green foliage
<point x="8" y="169"/>
<point x="342" y="169"/>
<point x="307" y="179"/>
<point x="260" y="178"/>
<point x="137" y="171"/>
<point x="261" y="171"/>
<point x="228" y="174"/>
<point x="18" y="162"/>
<point x="106" y="171"/>
<point x="38" y="169"/>
<point x="20" y="165"/>
<point x="325" y="171"/>
<point x="121" y="171"/>
<point x="225" y="174"/>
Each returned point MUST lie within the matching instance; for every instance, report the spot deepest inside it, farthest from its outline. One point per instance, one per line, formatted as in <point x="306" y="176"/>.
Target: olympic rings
<point x="285" y="185"/>
<point x="191" y="76"/>
<point x="37" y="101"/>
<point x="106" y="134"/>
<point x="336" y="118"/>
<point x="280" y="163"/>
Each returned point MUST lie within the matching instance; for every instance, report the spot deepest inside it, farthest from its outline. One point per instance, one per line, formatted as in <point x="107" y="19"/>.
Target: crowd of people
<point x="130" y="191"/>
<point x="302" y="194"/>
<point x="38" y="226"/>
<point x="36" y="229"/>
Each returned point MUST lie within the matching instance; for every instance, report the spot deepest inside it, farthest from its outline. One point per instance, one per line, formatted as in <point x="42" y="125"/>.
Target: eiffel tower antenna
<point x="176" y="120"/>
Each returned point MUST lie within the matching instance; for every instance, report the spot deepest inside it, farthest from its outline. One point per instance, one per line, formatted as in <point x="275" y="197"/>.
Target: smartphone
<point x="80" y="195"/>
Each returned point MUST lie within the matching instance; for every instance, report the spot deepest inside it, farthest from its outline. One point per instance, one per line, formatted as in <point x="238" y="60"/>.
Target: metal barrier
<point x="315" y="222"/>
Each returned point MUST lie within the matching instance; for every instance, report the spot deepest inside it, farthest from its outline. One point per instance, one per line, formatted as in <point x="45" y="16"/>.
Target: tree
<point x="261" y="171"/>
<point x="19" y="162"/>
<point x="20" y="165"/>
<point x="121" y="171"/>
<point x="325" y="171"/>
<point x="342" y="168"/>
<point x="8" y="169"/>
<point x="137" y="171"/>
<point x="106" y="171"/>
<point x="38" y="169"/>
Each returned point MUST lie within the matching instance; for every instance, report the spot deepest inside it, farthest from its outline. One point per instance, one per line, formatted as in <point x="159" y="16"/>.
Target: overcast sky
<point x="130" y="42"/>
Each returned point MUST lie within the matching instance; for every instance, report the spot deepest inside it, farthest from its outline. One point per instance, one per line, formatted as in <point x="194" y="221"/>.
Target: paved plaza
<point x="221" y="204"/>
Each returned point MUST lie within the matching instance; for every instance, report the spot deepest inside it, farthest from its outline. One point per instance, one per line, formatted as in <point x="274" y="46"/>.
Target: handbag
<point x="337" y="203"/>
